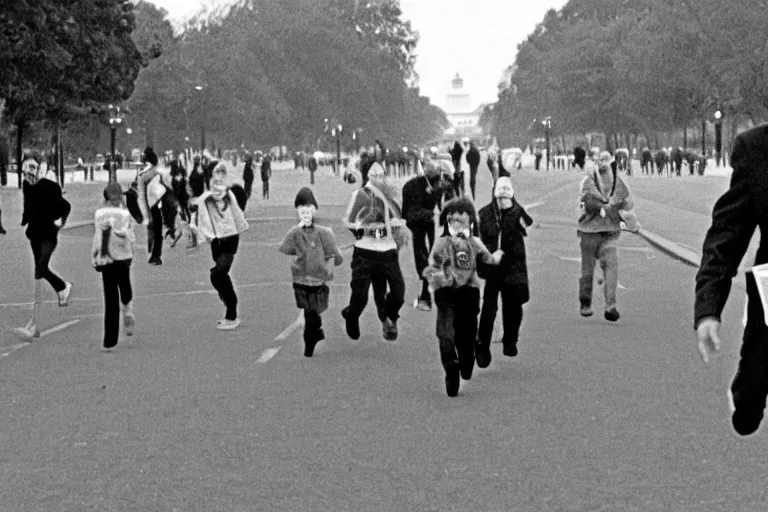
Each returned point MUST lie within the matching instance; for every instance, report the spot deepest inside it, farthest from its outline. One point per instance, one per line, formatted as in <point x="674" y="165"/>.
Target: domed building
<point x="460" y="112"/>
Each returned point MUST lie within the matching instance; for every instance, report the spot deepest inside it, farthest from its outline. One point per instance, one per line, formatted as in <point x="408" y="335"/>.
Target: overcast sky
<point x="476" y="38"/>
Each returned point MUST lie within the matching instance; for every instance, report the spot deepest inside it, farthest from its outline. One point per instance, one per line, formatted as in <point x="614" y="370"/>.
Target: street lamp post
<point x="114" y="122"/>
<point x="337" y="132"/>
<point x="199" y="88"/>
<point x="547" y="122"/>
<point x="704" y="138"/>
<point x="718" y="136"/>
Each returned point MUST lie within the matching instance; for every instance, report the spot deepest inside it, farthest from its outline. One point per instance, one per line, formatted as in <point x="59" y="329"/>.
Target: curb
<point x="672" y="249"/>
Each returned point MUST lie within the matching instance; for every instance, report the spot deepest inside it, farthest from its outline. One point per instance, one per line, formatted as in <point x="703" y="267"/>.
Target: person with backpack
<point x="45" y="213"/>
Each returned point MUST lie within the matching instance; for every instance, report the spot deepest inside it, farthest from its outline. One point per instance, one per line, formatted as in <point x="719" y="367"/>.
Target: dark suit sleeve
<point x="407" y="199"/>
<point x="727" y="240"/>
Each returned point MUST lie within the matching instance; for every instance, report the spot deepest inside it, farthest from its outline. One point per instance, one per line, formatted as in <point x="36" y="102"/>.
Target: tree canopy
<point x="637" y="66"/>
<point x="263" y="72"/>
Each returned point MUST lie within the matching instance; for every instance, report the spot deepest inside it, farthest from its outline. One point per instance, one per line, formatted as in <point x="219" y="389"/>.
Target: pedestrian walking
<point x="473" y="159"/>
<point x="421" y="195"/>
<point x="458" y="175"/>
<point x="376" y="220"/>
<point x="452" y="272"/>
<point x="735" y="216"/>
<point x="314" y="252"/>
<point x="503" y="224"/>
<point x="603" y="195"/>
<point x="248" y="175"/>
<point x="45" y="213"/>
<point x="111" y="255"/>
<point x="179" y="185"/>
<point x="151" y="190"/>
<point x="266" y="174"/>
<point x="220" y="221"/>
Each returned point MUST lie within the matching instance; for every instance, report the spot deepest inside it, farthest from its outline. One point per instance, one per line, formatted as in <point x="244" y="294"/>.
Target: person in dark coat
<point x="248" y="175"/>
<point x="458" y="175"/>
<point x="266" y="174"/>
<point x="503" y="225"/>
<point x="473" y="159"/>
<point x="179" y="183"/>
<point x="735" y="216"/>
<point x="45" y="213"/>
<point x="420" y="197"/>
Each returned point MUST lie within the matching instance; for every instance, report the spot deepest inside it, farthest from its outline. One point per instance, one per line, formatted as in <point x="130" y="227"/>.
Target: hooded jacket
<point x="375" y="217"/>
<point x="594" y="199"/>
<point x="113" y="236"/>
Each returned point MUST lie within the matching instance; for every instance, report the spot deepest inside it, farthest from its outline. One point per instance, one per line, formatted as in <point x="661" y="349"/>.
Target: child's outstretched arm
<point x="483" y="254"/>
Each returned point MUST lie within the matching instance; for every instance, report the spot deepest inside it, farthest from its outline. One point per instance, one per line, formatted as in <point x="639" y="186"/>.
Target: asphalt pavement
<point x="591" y="415"/>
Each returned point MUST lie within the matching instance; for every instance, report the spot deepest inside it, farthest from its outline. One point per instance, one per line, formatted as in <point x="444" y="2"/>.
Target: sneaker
<point x="228" y="325"/>
<point x="2" y="230"/>
<point x="423" y="305"/>
<point x="611" y="314"/>
<point x="510" y="350"/>
<point x="352" y="324"/>
<point x="389" y="329"/>
<point x="64" y="295"/>
<point x="483" y="357"/>
<point x="129" y="320"/>
<point x="452" y="382"/>
<point x="585" y="311"/>
<point x="28" y="332"/>
<point x="155" y="261"/>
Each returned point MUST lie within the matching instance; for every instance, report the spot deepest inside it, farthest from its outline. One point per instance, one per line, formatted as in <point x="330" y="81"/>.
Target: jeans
<point x="155" y="232"/>
<point x="456" y="327"/>
<point x="223" y="251"/>
<point x="380" y="269"/>
<point x="423" y="239"/>
<point x="116" y="278"/>
<point x="42" y="251"/>
<point x="511" y="314"/>
<point x="599" y="247"/>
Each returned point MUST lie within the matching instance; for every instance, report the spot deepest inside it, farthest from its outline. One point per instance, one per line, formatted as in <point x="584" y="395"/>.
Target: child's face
<point x="306" y="214"/>
<point x="458" y="222"/>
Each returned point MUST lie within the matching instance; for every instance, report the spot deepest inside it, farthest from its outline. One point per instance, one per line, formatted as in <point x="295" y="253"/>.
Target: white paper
<point x="760" y="274"/>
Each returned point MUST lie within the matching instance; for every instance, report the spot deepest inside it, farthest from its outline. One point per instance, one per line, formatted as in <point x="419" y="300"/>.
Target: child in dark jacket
<point x="314" y="252"/>
<point x="452" y="273"/>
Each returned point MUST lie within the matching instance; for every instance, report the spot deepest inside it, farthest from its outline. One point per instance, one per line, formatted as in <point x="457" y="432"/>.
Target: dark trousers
<point x="423" y="239"/>
<point x="248" y="186"/>
<point x="116" y="278"/>
<point x="223" y="251"/>
<point x="750" y="384"/>
<point x="265" y="189"/>
<point x="42" y="251"/>
<point x="473" y="180"/>
<point x="457" y="310"/>
<point x="155" y="232"/>
<point x="511" y="314"/>
<point x="380" y="269"/>
<point x="458" y="183"/>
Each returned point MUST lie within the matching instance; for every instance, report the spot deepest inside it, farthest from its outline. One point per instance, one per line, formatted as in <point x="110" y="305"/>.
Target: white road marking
<point x="28" y="305"/>
<point x="268" y="354"/>
<point x="566" y="258"/>
<point x="288" y="330"/>
<point x="60" y="327"/>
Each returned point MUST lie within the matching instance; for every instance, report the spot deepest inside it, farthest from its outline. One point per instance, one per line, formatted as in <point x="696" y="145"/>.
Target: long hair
<point x="459" y="205"/>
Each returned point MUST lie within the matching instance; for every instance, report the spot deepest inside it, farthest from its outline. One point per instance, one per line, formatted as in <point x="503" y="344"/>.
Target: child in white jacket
<point x="111" y="255"/>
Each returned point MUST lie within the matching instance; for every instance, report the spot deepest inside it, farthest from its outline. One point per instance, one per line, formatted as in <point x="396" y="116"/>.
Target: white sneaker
<point x="28" y="333"/>
<point x="64" y="295"/>
<point x="129" y="320"/>
<point x="228" y="325"/>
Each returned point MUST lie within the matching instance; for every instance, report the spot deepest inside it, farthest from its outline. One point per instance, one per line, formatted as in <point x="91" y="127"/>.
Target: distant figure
<point x="473" y="159"/>
<point x="266" y="174"/>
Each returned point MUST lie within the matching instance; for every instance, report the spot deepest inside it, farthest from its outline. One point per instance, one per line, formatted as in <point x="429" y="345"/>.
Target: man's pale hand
<point x="709" y="338"/>
<point x="497" y="255"/>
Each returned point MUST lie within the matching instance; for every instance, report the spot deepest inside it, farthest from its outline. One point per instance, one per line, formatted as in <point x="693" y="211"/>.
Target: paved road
<point x="590" y="416"/>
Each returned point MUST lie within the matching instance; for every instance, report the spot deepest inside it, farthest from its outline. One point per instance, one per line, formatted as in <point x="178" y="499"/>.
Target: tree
<point x="59" y="57"/>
